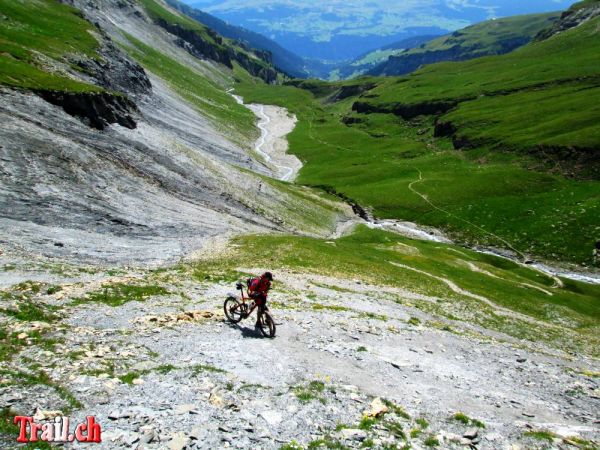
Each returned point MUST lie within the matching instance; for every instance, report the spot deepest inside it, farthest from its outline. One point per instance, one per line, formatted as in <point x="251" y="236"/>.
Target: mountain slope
<point x="283" y="59"/>
<point x="340" y="30"/>
<point x="540" y="70"/>
<point x="126" y="142"/>
<point x="500" y="150"/>
<point x="493" y="37"/>
<point x="126" y="150"/>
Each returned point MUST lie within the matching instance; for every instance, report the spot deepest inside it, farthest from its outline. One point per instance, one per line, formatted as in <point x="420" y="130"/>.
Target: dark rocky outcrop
<point x="202" y="48"/>
<point x="254" y="67"/>
<point x="351" y="120"/>
<point x="193" y="43"/>
<point x="356" y="208"/>
<point x="351" y="91"/>
<point x="404" y="64"/>
<point x="97" y="109"/>
<point x="570" y="19"/>
<point x="406" y="111"/>
<point x="115" y="71"/>
<point x="443" y="129"/>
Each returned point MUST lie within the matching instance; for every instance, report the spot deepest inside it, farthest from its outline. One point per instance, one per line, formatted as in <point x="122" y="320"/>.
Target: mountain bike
<point x="236" y="311"/>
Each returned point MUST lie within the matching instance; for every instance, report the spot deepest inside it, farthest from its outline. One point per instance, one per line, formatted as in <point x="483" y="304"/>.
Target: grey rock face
<point x="114" y="192"/>
<point x="116" y="71"/>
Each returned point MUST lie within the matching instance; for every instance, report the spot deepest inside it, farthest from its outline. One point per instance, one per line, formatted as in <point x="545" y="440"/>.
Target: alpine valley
<point x="422" y="179"/>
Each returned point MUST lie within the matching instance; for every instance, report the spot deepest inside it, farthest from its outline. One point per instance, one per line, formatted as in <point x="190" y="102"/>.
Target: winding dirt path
<point x="433" y="205"/>
<point x="500" y="310"/>
<point x="274" y="124"/>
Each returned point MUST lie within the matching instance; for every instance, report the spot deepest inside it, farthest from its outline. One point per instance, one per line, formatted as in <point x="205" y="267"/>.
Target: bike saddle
<point x="239" y="286"/>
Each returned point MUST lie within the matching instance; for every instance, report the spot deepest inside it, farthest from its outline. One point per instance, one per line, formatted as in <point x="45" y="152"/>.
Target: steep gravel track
<point x="199" y="382"/>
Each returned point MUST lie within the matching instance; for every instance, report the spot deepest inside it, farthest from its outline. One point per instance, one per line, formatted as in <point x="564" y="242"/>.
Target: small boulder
<point x="273" y="418"/>
<point x="353" y="434"/>
<point x="471" y="433"/>
<point x="184" y="409"/>
<point x="41" y="414"/>
<point x="178" y="441"/>
<point x="216" y="400"/>
<point x="377" y="408"/>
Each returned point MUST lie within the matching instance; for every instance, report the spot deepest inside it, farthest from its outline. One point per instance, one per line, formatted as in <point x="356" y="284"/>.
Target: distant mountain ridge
<point x="283" y="59"/>
<point x="340" y="31"/>
<point x="492" y="37"/>
<point x="368" y="61"/>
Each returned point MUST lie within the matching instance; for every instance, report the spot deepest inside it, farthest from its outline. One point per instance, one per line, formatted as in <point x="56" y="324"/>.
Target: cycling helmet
<point x="268" y="276"/>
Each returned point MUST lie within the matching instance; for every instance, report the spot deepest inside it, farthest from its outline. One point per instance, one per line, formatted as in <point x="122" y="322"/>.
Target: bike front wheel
<point x="266" y="324"/>
<point x="233" y="310"/>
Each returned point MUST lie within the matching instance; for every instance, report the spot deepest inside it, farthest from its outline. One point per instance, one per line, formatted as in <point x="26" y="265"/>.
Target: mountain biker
<point x="258" y="288"/>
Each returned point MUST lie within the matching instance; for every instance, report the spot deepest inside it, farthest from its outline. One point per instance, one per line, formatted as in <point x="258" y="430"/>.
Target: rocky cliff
<point x="577" y="15"/>
<point x="258" y="66"/>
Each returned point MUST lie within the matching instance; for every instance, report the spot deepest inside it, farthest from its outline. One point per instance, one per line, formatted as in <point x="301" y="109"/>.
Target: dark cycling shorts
<point x="259" y="298"/>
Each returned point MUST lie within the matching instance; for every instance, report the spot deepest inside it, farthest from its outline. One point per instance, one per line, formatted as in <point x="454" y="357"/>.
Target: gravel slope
<point x="199" y="382"/>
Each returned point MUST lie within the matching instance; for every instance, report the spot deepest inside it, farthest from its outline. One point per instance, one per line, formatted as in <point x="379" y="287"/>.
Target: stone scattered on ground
<point x="169" y="372"/>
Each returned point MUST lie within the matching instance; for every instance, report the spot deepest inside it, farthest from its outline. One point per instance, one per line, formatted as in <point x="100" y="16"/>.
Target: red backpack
<point x="253" y="284"/>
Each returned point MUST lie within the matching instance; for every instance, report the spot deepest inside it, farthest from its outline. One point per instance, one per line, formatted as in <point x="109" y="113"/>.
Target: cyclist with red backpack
<point x="236" y="309"/>
<point x="258" y="288"/>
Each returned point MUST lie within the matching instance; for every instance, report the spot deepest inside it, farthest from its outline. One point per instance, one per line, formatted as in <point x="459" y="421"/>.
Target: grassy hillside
<point x="522" y="111"/>
<point x="208" y="43"/>
<point x="37" y="40"/>
<point x="538" y="99"/>
<point x="283" y="59"/>
<point x="492" y="37"/>
<point x="584" y="4"/>
<point x="570" y="56"/>
<point x="157" y="11"/>
<point x="473" y="288"/>
<point x="41" y="43"/>
<point x="370" y="60"/>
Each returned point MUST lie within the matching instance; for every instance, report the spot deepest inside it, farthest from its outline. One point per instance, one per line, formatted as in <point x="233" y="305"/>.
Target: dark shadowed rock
<point x="406" y="111"/>
<point x="351" y="91"/>
<point x="97" y="109"/>
<point x="443" y="129"/>
<point x="202" y="48"/>
<point x="115" y="71"/>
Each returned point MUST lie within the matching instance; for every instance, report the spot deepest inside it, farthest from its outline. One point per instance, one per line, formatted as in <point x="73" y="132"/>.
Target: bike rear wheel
<point x="233" y="310"/>
<point x="266" y="324"/>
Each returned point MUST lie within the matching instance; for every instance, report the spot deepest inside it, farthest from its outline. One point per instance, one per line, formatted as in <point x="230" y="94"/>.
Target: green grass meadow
<point x="525" y="303"/>
<point x="33" y="32"/>
<point x="487" y="38"/>
<point x="504" y="191"/>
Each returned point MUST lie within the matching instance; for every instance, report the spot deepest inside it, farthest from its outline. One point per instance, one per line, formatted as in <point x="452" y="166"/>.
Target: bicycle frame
<point x="240" y="288"/>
